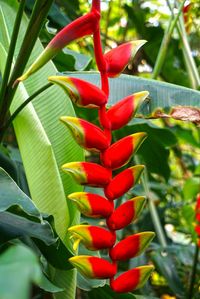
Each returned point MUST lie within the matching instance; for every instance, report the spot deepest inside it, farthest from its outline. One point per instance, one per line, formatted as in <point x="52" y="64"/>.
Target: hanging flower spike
<point x="131" y="280"/>
<point x="131" y="246"/>
<point x="122" y="112"/>
<point x="93" y="267"/>
<point x="86" y="173"/>
<point x="82" y="93"/>
<point x="86" y="134"/>
<point x="91" y="205"/>
<point x="126" y="213"/>
<point x="82" y="26"/>
<point x="197" y="217"/>
<point x="197" y="208"/>
<point x="120" y="152"/>
<point x="118" y="58"/>
<point x="92" y="237"/>
<point x="123" y="181"/>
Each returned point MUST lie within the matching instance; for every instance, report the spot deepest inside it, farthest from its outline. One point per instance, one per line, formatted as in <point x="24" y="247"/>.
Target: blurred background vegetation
<point x="172" y="150"/>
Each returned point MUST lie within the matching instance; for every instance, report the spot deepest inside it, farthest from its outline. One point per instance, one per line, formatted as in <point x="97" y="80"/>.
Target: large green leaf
<point x="20" y="259"/>
<point x="164" y="97"/>
<point x="24" y="220"/>
<point x="14" y="226"/>
<point x="44" y="144"/>
<point x="12" y="195"/>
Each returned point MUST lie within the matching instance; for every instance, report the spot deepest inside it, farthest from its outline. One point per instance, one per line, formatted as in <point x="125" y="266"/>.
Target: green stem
<point x="193" y="273"/>
<point x="152" y="208"/>
<point x="188" y="54"/>
<point x="21" y="107"/>
<point x="36" y="22"/>
<point x="189" y="60"/>
<point x="165" y="42"/>
<point x="9" y="59"/>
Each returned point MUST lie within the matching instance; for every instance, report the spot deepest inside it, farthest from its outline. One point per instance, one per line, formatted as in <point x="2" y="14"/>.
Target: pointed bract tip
<point x="81" y="262"/>
<point x="136" y="44"/>
<point x="139" y="202"/>
<point x="141" y="95"/>
<point x="145" y="272"/>
<point x="76" y="195"/>
<point x="69" y="119"/>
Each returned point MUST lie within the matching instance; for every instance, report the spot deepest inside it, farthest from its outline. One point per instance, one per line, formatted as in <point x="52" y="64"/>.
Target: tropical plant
<point x="37" y="243"/>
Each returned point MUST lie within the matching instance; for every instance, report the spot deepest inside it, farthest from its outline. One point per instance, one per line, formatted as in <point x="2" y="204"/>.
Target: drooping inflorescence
<point x="112" y="156"/>
<point x="197" y="217"/>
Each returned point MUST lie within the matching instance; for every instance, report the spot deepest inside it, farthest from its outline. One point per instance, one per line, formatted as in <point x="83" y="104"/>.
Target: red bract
<point x="122" y="182"/>
<point x="93" y="237"/>
<point x="92" y="205"/>
<point x="126" y="213"/>
<point x="118" y="58"/>
<point x="82" y="93"/>
<point x="93" y="267"/>
<point x="131" y="280"/>
<point x="131" y="246"/>
<point x="86" y="173"/>
<point x="84" y="25"/>
<point x="197" y="216"/>
<point x="120" y="152"/>
<point x="122" y="112"/>
<point x="86" y="134"/>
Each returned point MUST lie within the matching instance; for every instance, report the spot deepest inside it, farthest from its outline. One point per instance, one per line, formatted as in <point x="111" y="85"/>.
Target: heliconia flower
<point x="197" y="229"/>
<point x="82" y="93"/>
<point x="86" y="134"/>
<point x="123" y="111"/>
<point x="126" y="213"/>
<point x="123" y="181"/>
<point x="131" y="246"/>
<point x="93" y="267"/>
<point x="87" y="173"/>
<point x="131" y="280"/>
<point x="80" y="27"/>
<point x="118" y="58"/>
<point x="197" y="208"/>
<point x="120" y="152"/>
<point x="91" y="205"/>
<point x="92" y="237"/>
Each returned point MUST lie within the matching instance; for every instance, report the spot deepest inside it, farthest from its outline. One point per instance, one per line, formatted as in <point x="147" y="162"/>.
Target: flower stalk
<point x="112" y="156"/>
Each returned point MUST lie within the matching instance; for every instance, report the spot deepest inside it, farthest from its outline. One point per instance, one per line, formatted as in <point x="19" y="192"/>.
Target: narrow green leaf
<point x="165" y="266"/>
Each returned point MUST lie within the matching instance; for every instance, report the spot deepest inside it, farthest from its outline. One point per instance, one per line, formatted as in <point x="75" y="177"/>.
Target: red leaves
<point x="131" y="246"/>
<point x="197" y="216"/>
<point x="118" y="58"/>
<point x="122" y="112"/>
<point x="93" y="237"/>
<point x="86" y="173"/>
<point x="123" y="181"/>
<point x="86" y="134"/>
<point x="82" y="93"/>
<point x="126" y="213"/>
<point x="131" y="280"/>
<point x="120" y="152"/>
<point x="92" y="205"/>
<point x="93" y="267"/>
<point x="85" y="25"/>
<point x="82" y="26"/>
